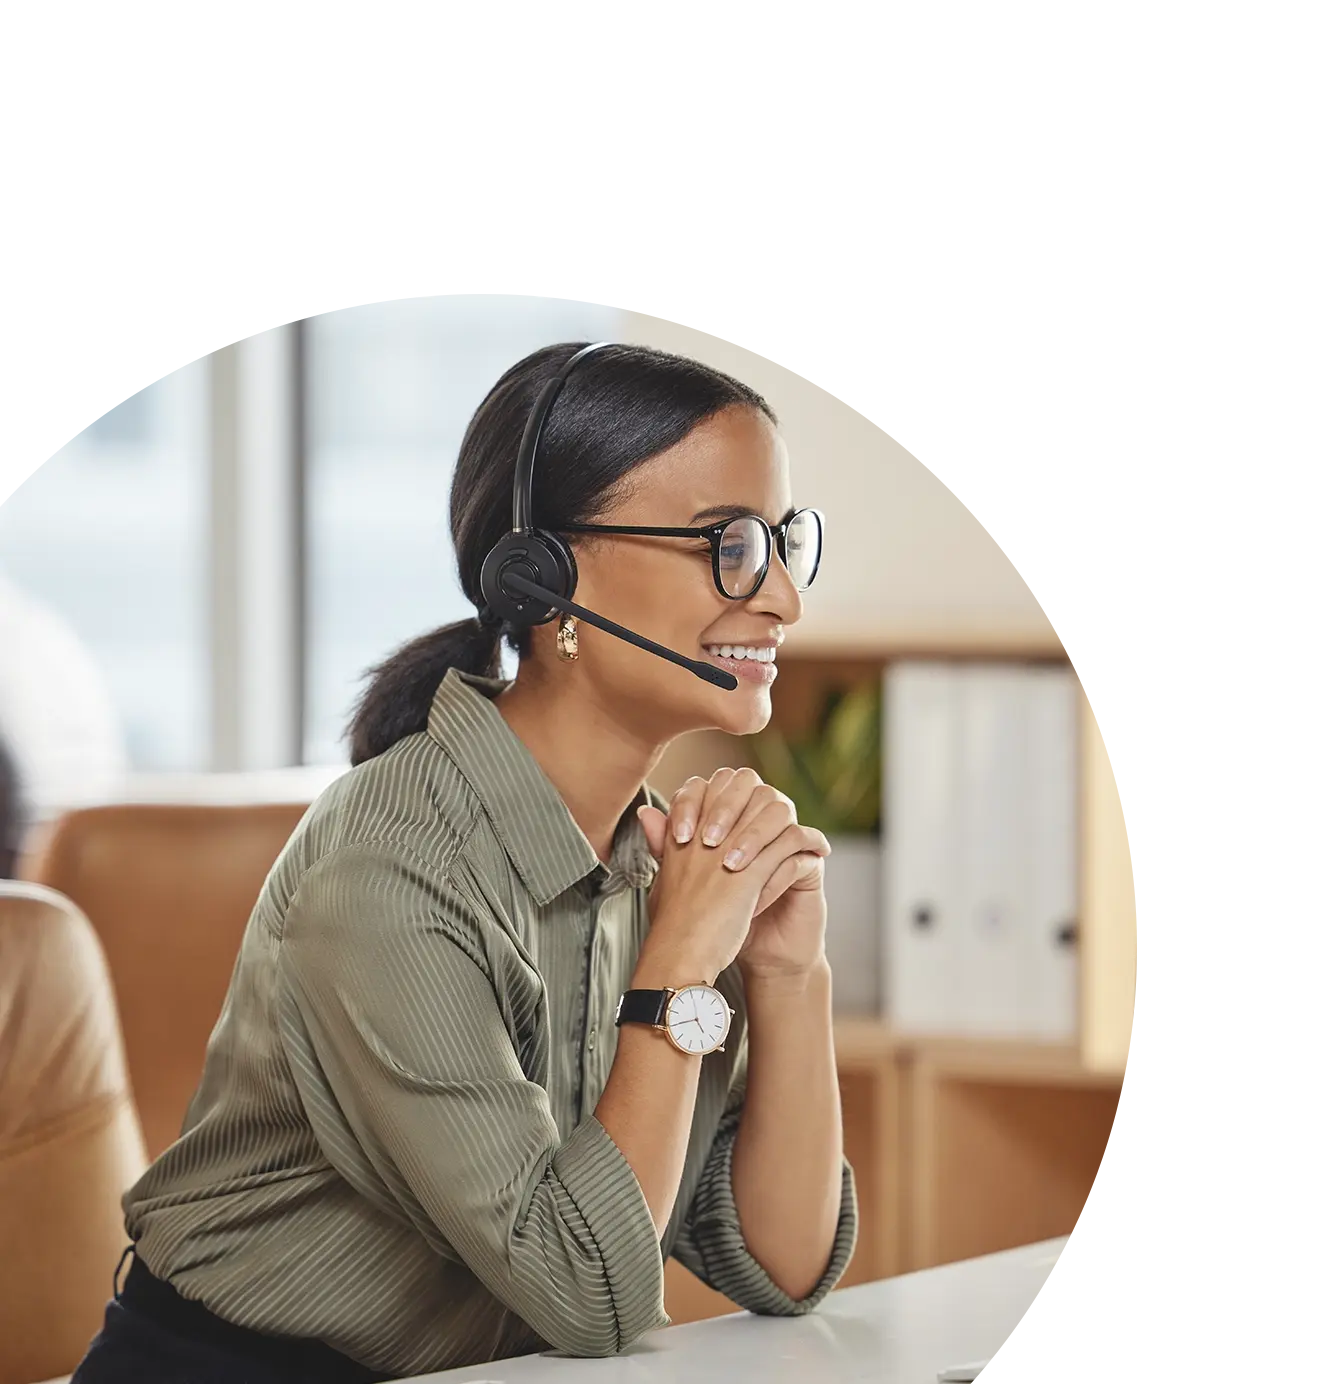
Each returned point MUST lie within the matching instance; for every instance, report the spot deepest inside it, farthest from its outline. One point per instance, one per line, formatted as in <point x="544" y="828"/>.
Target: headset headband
<point x="531" y="439"/>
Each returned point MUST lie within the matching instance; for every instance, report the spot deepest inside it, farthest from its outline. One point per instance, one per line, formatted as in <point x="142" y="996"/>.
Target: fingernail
<point x="733" y="858"/>
<point x="713" y="835"/>
<point x="683" y="832"/>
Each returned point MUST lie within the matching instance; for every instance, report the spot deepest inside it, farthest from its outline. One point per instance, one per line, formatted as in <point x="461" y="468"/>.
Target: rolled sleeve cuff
<point x="607" y="1194"/>
<point x="732" y="1269"/>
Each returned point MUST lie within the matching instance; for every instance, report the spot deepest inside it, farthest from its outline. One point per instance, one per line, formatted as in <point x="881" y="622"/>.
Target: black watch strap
<point x="642" y="1006"/>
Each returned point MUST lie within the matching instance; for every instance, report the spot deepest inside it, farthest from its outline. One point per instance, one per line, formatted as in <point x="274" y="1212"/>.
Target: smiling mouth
<point x="741" y="652"/>
<point x="756" y="666"/>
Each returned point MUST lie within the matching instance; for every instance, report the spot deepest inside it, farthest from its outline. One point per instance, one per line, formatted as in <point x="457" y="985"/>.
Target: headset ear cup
<point x="540" y="557"/>
<point x="564" y="562"/>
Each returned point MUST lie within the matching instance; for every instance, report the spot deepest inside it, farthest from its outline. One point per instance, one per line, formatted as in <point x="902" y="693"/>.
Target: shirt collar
<point x="545" y="844"/>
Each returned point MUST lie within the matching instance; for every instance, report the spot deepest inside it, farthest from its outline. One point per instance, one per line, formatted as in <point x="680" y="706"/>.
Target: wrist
<point x="669" y="968"/>
<point x="792" y="984"/>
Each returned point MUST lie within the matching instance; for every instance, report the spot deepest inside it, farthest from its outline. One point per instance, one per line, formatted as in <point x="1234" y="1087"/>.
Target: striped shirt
<point x="393" y="1148"/>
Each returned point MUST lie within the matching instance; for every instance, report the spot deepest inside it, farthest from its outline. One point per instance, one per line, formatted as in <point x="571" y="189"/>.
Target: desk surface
<point x="896" y="1331"/>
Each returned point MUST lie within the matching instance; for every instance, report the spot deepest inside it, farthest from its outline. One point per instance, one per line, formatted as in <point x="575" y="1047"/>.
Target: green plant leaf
<point x="833" y="774"/>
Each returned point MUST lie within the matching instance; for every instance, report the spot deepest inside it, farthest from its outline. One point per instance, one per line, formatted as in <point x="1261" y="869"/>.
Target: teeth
<point x="742" y="651"/>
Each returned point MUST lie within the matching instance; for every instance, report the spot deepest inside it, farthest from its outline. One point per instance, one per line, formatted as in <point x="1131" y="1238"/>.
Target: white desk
<point x="896" y="1331"/>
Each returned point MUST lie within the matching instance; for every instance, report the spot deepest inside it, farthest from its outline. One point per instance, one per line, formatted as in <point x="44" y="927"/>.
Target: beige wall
<point x="1047" y="471"/>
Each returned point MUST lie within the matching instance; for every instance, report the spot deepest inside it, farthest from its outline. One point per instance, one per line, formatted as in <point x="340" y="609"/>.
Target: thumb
<point x="654" y="823"/>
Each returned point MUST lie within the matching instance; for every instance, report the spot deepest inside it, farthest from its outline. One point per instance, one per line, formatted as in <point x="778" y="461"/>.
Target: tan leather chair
<point x="168" y="890"/>
<point x="70" y="1143"/>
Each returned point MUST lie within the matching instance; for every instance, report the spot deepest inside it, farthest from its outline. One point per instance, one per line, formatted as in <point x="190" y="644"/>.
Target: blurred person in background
<point x="12" y="815"/>
<point x="56" y="713"/>
<point x="421" y="1140"/>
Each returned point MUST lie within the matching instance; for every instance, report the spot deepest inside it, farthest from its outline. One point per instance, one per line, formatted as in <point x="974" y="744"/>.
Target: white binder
<point x="990" y="929"/>
<point x="921" y="773"/>
<point x="1049" y="994"/>
<point x="979" y="877"/>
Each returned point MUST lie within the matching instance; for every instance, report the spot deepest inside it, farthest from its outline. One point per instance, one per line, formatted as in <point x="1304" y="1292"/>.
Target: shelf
<point x="1306" y="1077"/>
<point x="862" y="1043"/>
<point x="1217" y="642"/>
<point x="1005" y="1062"/>
<point x="832" y="641"/>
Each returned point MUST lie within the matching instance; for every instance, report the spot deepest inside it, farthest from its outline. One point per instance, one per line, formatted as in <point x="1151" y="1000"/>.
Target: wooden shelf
<point x="1226" y="641"/>
<point x="1026" y="1064"/>
<point x="861" y="1042"/>
<point x="913" y="641"/>
<point x="1234" y="1077"/>
<point x="999" y="1145"/>
<point x="831" y="641"/>
<point x="959" y="1147"/>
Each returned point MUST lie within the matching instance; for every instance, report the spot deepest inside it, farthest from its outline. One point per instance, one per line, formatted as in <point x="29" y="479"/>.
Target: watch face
<point x="697" y="1018"/>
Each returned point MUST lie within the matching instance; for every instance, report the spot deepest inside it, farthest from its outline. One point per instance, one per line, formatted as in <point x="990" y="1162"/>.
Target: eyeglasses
<point x="742" y="547"/>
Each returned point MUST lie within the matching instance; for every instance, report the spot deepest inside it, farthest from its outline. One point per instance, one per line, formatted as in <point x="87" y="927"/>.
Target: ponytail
<point x="400" y="690"/>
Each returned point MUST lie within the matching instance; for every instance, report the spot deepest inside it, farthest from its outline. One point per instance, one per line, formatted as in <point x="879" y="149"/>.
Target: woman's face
<point x="663" y="588"/>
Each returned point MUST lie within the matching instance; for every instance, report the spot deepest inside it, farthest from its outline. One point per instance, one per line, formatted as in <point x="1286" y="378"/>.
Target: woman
<point x="421" y="1140"/>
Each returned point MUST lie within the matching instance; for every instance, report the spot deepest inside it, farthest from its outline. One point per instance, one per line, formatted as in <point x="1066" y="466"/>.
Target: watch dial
<point x="697" y="1019"/>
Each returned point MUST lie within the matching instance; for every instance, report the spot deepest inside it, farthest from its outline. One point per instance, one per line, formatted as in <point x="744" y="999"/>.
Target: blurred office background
<point x="238" y="541"/>
<point x="229" y="550"/>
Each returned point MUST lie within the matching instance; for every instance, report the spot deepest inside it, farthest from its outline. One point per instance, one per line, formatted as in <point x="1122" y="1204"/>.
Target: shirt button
<point x="592" y="1037"/>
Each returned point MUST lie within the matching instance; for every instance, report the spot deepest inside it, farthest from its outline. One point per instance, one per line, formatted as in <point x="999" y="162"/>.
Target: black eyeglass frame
<point x="713" y="534"/>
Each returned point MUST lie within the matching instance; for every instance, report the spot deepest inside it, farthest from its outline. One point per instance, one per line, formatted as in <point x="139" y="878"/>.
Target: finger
<point x="763" y="797"/>
<point x="801" y="870"/>
<point x="729" y="792"/>
<point x="778" y="847"/>
<point x="654" y="822"/>
<point x="684" y="809"/>
<point x="775" y="816"/>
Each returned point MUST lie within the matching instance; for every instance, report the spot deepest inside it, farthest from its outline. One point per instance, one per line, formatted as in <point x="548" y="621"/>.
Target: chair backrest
<point x="70" y="1143"/>
<point x="168" y="889"/>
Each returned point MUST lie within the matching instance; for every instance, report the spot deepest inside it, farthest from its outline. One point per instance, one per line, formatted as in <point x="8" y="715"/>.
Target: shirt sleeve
<point x="710" y="1242"/>
<point x="387" y="972"/>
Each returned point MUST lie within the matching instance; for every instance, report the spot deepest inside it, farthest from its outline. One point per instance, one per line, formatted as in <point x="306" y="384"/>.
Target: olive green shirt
<point x="393" y="1148"/>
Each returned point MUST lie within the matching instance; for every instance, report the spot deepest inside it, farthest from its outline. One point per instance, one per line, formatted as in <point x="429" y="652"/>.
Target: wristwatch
<point x="694" y="1018"/>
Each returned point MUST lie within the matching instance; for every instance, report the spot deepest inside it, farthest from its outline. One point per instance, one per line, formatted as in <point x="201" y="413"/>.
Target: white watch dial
<point x="697" y="1018"/>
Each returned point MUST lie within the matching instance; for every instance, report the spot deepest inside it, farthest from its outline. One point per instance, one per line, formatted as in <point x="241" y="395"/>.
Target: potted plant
<point x="833" y="775"/>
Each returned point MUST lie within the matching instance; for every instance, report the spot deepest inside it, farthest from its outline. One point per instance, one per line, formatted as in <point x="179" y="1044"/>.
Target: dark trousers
<point x="153" y="1335"/>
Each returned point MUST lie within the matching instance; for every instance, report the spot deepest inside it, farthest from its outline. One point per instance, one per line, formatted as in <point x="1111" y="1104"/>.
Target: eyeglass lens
<point x="744" y="552"/>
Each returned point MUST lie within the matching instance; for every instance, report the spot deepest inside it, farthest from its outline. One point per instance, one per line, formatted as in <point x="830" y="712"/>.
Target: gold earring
<point x="566" y="638"/>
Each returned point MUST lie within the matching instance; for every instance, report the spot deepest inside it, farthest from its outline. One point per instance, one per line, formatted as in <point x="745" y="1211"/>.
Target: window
<point x="112" y="534"/>
<point x="230" y="638"/>
<point x="391" y="388"/>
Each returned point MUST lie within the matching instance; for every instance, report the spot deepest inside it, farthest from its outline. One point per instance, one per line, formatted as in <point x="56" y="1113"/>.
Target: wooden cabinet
<point x="1000" y="1145"/>
<point x="958" y="1149"/>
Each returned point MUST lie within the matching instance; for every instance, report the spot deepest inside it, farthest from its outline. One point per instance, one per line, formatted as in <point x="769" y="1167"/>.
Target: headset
<point x="529" y="576"/>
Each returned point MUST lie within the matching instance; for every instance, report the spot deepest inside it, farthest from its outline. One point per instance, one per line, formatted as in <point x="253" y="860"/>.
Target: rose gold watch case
<point x="671" y="997"/>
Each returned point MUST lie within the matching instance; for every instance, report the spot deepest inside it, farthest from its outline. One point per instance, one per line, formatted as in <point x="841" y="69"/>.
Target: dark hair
<point x="12" y="814"/>
<point x="618" y="408"/>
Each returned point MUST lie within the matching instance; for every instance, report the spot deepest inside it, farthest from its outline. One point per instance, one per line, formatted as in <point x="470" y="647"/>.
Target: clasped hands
<point x="738" y="815"/>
